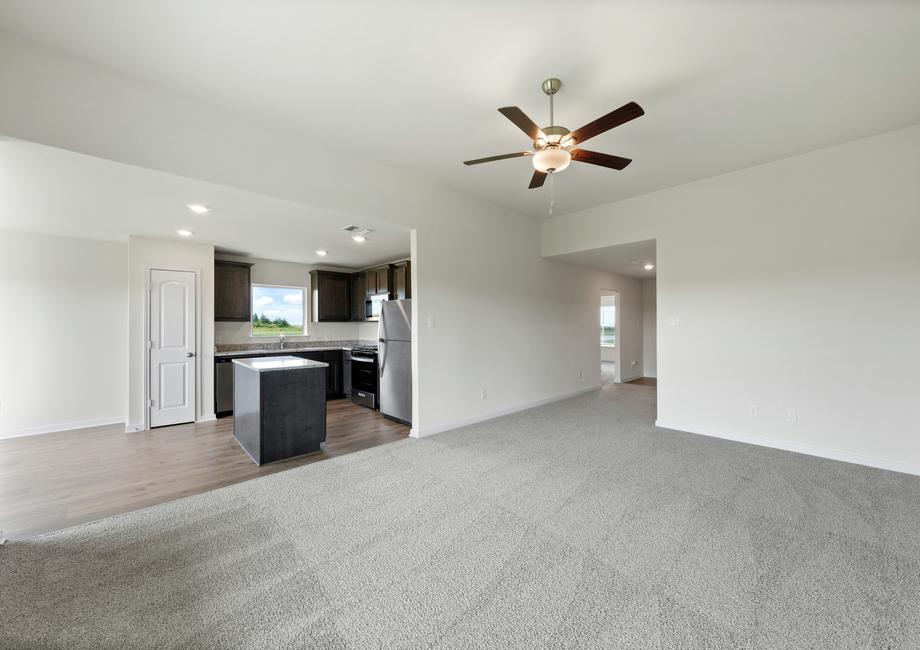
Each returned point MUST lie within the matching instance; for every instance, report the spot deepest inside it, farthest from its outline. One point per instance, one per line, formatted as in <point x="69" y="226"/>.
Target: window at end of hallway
<point x="608" y="326"/>
<point x="278" y="310"/>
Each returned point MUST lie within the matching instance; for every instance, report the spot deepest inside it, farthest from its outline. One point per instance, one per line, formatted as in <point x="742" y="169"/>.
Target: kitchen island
<point x="279" y="406"/>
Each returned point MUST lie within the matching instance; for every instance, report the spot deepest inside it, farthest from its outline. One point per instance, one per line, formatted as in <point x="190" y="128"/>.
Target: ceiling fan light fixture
<point x="552" y="159"/>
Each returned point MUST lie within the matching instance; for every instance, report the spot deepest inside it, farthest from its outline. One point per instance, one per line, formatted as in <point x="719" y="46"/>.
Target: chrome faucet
<point x="282" y="340"/>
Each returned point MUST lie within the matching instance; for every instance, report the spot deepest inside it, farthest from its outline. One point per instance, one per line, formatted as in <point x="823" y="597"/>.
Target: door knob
<point x="190" y="354"/>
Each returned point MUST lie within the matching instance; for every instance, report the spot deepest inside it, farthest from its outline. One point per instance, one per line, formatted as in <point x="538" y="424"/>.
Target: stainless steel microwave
<point x="374" y="305"/>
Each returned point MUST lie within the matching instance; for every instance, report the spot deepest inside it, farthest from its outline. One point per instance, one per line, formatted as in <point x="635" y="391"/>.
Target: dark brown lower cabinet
<point x="335" y="386"/>
<point x="224" y="375"/>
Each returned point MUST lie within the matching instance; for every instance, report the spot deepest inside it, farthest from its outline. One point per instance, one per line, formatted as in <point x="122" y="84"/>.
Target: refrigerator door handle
<point x="382" y="338"/>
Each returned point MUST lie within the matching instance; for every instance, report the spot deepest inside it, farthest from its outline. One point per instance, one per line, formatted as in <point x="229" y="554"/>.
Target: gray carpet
<point x="577" y="524"/>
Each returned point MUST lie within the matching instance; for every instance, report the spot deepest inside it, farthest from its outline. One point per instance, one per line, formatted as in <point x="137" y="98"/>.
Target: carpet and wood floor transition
<point x="56" y="480"/>
<point x="576" y="524"/>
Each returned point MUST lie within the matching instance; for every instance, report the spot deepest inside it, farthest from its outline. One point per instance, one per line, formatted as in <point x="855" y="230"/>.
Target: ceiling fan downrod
<point x="551" y="87"/>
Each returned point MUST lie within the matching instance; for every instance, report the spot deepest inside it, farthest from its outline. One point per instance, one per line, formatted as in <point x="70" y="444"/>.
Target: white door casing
<point x="172" y="347"/>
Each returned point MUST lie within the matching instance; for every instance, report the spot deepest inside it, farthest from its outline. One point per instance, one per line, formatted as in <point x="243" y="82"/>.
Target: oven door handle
<point x="354" y="358"/>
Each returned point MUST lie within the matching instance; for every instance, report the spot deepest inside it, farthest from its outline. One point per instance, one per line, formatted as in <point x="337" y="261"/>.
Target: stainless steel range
<point x="364" y="384"/>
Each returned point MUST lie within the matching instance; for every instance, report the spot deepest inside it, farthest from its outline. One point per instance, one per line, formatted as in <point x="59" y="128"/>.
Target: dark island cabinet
<point x="331" y="294"/>
<point x="232" y="291"/>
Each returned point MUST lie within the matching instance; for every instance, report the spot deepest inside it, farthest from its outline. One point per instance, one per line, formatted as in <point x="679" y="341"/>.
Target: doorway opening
<point x="609" y="351"/>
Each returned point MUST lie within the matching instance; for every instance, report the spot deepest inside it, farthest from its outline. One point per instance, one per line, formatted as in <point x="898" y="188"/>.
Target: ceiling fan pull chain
<point x="552" y="194"/>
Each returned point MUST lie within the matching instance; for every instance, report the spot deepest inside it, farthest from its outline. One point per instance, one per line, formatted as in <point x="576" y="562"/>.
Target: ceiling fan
<point x="554" y="147"/>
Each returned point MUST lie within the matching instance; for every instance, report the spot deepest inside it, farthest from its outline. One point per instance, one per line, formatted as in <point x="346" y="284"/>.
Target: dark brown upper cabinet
<point x="358" y="297"/>
<point x="383" y="279"/>
<point x="402" y="281"/>
<point x="232" y="291"/>
<point x="377" y="281"/>
<point x="370" y="282"/>
<point x="331" y="294"/>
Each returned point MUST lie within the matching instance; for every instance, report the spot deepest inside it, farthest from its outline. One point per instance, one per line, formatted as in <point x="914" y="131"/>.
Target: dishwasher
<point x="223" y="386"/>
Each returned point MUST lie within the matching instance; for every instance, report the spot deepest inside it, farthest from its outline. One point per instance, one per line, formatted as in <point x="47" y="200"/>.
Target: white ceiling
<point x="725" y="85"/>
<point x="625" y="259"/>
<point x="52" y="191"/>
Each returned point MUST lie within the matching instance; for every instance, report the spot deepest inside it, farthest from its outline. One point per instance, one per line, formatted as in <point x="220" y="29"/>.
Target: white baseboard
<point x="624" y="380"/>
<point x="809" y="450"/>
<point x="134" y="428"/>
<point x="210" y="417"/>
<point x="61" y="426"/>
<point x="456" y="424"/>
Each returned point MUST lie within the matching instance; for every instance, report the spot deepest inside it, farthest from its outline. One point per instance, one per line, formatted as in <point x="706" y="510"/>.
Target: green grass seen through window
<point x="274" y="330"/>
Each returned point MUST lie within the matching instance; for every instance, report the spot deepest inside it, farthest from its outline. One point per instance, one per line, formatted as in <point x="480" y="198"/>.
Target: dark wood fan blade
<point x="522" y="122"/>
<point x="501" y="157"/>
<point x="538" y="179"/>
<point x="602" y="159"/>
<point x="622" y="115"/>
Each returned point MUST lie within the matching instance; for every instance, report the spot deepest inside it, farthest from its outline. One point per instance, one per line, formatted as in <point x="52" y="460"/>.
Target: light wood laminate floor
<point x="56" y="480"/>
<point x="643" y="381"/>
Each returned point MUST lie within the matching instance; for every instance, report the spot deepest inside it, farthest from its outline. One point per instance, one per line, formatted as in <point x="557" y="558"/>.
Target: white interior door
<point x="172" y="347"/>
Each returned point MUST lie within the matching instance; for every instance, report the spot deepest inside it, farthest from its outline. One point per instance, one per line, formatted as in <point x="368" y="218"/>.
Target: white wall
<point x="64" y="333"/>
<point x="649" y="328"/>
<point x="477" y="268"/>
<point x="629" y="326"/>
<point x="796" y="286"/>
<point x="145" y="253"/>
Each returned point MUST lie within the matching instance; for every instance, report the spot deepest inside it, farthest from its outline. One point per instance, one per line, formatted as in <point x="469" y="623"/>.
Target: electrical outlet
<point x="754" y="411"/>
<point x="634" y="364"/>
<point x="792" y="416"/>
<point x="673" y="321"/>
<point x="484" y="394"/>
<point x="431" y="322"/>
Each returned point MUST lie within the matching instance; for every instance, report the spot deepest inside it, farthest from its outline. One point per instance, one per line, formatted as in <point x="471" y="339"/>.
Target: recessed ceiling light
<point x="198" y="208"/>
<point x="649" y="267"/>
<point x="322" y="253"/>
<point x="358" y="238"/>
<point x="185" y="233"/>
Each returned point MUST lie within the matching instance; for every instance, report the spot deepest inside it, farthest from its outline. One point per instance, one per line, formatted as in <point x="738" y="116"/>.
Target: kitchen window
<point x="608" y="325"/>
<point x="278" y="310"/>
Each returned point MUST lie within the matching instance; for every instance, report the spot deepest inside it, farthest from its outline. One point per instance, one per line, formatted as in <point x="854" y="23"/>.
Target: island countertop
<point x="263" y="364"/>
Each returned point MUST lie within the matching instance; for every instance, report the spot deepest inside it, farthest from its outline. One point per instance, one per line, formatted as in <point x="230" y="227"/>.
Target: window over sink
<point x="278" y="310"/>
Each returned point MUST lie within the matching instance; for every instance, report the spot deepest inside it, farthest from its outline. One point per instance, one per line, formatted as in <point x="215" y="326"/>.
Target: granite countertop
<point x="262" y="364"/>
<point x="292" y="348"/>
<point x="295" y="347"/>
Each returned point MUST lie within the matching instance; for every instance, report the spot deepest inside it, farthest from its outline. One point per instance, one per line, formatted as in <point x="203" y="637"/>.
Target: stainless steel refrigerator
<point x="394" y="356"/>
